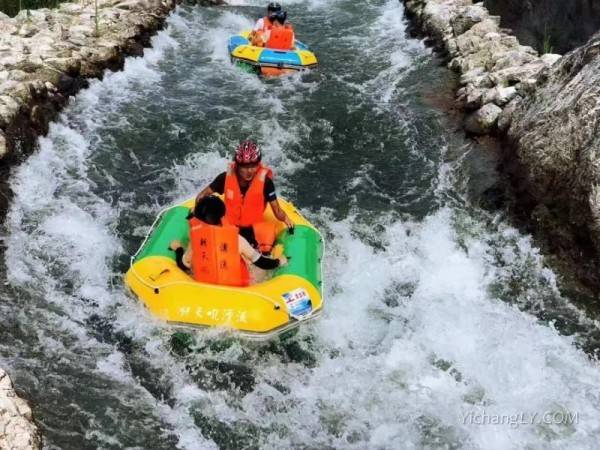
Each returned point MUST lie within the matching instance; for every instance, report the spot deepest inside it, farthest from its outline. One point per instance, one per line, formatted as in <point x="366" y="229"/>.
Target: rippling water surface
<point x="439" y="314"/>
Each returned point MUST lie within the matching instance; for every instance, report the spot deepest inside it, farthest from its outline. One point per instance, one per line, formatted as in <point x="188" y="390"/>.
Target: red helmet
<point x="247" y="152"/>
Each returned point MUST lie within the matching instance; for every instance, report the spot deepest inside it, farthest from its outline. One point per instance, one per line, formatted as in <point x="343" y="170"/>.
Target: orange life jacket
<point x="244" y="211"/>
<point x="216" y="255"/>
<point x="281" y="39"/>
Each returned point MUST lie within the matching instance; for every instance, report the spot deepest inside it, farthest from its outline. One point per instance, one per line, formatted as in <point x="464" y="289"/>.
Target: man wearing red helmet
<point x="247" y="187"/>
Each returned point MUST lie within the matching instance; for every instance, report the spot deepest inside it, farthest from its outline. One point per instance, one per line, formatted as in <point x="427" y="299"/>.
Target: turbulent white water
<point x="439" y="317"/>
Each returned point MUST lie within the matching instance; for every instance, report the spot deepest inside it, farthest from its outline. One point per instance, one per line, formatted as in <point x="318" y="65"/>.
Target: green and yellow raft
<point x="293" y="295"/>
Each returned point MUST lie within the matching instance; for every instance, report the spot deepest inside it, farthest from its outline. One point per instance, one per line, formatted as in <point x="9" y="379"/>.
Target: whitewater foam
<point x="417" y="333"/>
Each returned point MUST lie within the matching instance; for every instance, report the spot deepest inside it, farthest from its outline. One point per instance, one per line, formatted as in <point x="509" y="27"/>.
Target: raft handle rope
<point x="160" y="214"/>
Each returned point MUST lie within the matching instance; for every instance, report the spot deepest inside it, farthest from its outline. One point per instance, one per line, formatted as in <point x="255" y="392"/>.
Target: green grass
<point x="12" y="7"/>
<point x="546" y="46"/>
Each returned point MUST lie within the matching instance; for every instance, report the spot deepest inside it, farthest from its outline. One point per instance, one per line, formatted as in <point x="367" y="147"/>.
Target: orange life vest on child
<point x="281" y="38"/>
<point x="244" y="211"/>
<point x="216" y="256"/>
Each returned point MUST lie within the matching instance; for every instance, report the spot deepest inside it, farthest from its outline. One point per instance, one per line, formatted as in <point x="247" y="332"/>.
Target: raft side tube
<point x="174" y="296"/>
<point x="172" y="225"/>
<point x="304" y="249"/>
<point x="269" y="56"/>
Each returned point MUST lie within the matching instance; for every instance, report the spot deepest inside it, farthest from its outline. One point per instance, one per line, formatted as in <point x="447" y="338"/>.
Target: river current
<point x="443" y="327"/>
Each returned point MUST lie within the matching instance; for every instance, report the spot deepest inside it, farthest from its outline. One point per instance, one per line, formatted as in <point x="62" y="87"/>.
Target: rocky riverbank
<point x="496" y="71"/>
<point x="17" y="430"/>
<point x="546" y="111"/>
<point x="48" y="55"/>
<point x="552" y="153"/>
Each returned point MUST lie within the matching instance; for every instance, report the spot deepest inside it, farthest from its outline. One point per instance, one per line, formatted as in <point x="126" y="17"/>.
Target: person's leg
<point x="248" y="234"/>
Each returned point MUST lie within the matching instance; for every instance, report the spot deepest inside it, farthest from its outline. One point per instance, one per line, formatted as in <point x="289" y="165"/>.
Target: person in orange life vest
<point x="217" y="254"/>
<point x="281" y="35"/>
<point x="248" y="187"/>
<point x="263" y="24"/>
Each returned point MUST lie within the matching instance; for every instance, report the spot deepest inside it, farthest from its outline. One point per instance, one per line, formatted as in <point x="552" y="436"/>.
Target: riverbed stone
<point x="483" y="121"/>
<point x="506" y="117"/>
<point x="16" y="419"/>
<point x="474" y="97"/>
<point x="499" y="95"/>
<point x="511" y="58"/>
<point x="465" y="20"/>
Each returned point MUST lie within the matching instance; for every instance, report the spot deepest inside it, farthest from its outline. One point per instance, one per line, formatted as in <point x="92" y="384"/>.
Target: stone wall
<point x="48" y="55"/>
<point x="496" y="70"/>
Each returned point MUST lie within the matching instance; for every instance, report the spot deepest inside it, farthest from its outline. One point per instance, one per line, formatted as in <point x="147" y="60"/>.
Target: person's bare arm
<point x="204" y="193"/>
<point x="183" y="258"/>
<point x="280" y="213"/>
<point x="261" y="261"/>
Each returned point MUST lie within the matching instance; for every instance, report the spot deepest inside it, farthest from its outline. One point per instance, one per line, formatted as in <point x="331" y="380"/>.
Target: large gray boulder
<point x="483" y="121"/>
<point x="554" y="137"/>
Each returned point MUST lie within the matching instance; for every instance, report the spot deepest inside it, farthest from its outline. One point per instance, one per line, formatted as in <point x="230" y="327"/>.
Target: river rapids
<point x="443" y="328"/>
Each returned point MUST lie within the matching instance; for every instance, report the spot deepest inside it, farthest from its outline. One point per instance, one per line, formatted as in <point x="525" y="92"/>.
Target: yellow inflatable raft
<point x="291" y="296"/>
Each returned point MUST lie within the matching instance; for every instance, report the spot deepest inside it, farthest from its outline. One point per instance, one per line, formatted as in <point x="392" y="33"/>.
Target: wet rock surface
<point x="17" y="429"/>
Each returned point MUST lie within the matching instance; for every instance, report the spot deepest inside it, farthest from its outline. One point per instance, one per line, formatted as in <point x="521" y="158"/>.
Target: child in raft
<point x="217" y="253"/>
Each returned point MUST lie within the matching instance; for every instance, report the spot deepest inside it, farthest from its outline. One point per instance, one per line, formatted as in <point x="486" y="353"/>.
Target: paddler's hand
<point x="174" y="245"/>
<point x="282" y="261"/>
<point x="288" y="222"/>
